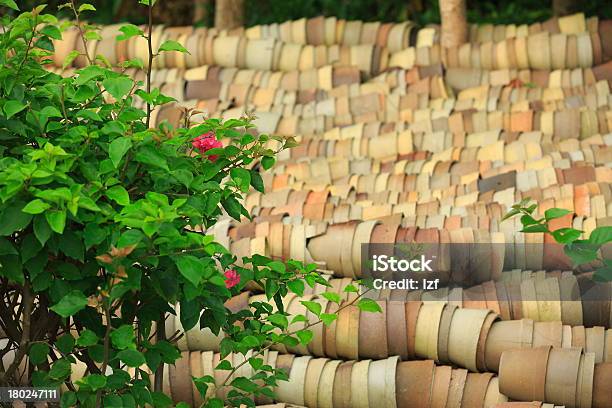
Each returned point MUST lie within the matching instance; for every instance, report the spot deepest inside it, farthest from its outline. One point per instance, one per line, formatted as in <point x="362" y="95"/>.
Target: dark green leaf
<point x="118" y="87"/>
<point x="118" y="148"/>
<point x="553" y="213"/>
<point x="601" y="236"/>
<point x="132" y="358"/>
<point x="70" y="304"/>
<point x="38" y="353"/>
<point x="123" y="337"/>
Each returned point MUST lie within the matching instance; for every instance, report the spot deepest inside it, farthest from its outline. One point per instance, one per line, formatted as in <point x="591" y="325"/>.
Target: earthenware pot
<point x="373" y="333"/>
<point x="522" y="373"/>
<point x="506" y="335"/>
<point x="562" y="376"/>
<point x="414" y="383"/>
<point x="464" y="335"/>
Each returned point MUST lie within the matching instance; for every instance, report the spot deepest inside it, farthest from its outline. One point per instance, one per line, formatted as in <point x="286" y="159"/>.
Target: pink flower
<point x="231" y="278"/>
<point x="206" y="142"/>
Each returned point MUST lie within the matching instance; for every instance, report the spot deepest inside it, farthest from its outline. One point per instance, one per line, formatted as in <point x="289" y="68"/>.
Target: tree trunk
<point x="563" y="7"/>
<point x="229" y="14"/>
<point x="454" y="23"/>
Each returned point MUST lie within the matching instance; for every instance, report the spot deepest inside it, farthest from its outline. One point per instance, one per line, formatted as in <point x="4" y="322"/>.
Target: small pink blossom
<point x="232" y="278"/>
<point x="206" y="142"/>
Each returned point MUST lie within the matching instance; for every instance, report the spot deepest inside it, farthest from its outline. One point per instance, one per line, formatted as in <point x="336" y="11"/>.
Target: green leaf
<point x="511" y="214"/>
<point x="132" y="358"/>
<point x="277" y="266"/>
<point x="245" y="384"/>
<point x="267" y="162"/>
<point x="6" y="248"/>
<point x="191" y="268"/>
<point x="148" y="155"/>
<point x="528" y="220"/>
<point x="553" y="213"/>
<point x="171" y="45"/>
<point x="581" y="253"/>
<point x="601" y="236"/>
<point x="60" y="369"/>
<point x="118" y="194"/>
<point x="242" y="178"/>
<point x="118" y="87"/>
<point x="129" y="31"/>
<point x="70" y="304"/>
<point x="328" y="318"/>
<point x="56" y="220"/>
<point x="41" y="229"/>
<point x="65" y="343"/>
<point x="13" y="107"/>
<point x="351" y="289"/>
<point x="87" y="338"/>
<point x="279" y="320"/>
<point x="95" y="381"/>
<point x="603" y="274"/>
<point x="13" y="219"/>
<point x="123" y="337"/>
<point x="257" y="181"/>
<point x="566" y="235"/>
<point x="233" y="207"/>
<point x="305" y="336"/>
<point x="190" y="313"/>
<point x="68" y="399"/>
<point x="313" y="307"/>
<point x="86" y="7"/>
<point x="38" y="353"/>
<point x="52" y="31"/>
<point x="332" y="297"/>
<point x="296" y="286"/>
<point x="535" y="228"/>
<point x="118" y="148"/>
<point x="368" y="305"/>
<point x="10" y="4"/>
<point x="70" y="58"/>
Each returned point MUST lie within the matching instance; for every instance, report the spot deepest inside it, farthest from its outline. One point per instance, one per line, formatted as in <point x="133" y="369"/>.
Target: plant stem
<point x="150" y="66"/>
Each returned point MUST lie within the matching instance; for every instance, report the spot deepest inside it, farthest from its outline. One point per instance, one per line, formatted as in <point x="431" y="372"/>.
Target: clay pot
<point x="396" y="328"/>
<point x="311" y="381"/>
<point x="440" y="386"/>
<point x="359" y="384"/>
<point x="562" y="376"/>
<point x="348" y="332"/>
<point x="180" y="379"/>
<point x="522" y="373"/>
<point x="292" y="391"/>
<point x="464" y="335"/>
<point x="506" y="335"/>
<point x="342" y="383"/>
<point x="601" y="386"/>
<point x="373" y="333"/>
<point x="326" y="384"/>
<point x="456" y="388"/>
<point x="413" y="383"/>
<point x="427" y="329"/>
<point x="381" y="383"/>
<point x="475" y="390"/>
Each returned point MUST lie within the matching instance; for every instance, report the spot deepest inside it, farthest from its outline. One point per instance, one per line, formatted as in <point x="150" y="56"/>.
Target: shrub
<point x="97" y="229"/>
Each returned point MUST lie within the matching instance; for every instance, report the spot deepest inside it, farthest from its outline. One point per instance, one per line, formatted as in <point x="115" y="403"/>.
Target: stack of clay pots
<point x="320" y="382"/>
<point x="401" y="141"/>
<point x="566" y="377"/>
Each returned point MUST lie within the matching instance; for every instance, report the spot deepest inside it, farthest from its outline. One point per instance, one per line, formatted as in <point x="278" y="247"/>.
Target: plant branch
<point x="150" y="66"/>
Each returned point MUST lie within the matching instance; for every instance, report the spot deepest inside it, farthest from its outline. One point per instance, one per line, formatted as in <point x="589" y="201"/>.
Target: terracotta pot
<point x="381" y="382"/>
<point x="464" y="334"/>
<point x="522" y="373"/>
<point x="506" y="335"/>
<point x="326" y="384"/>
<point x="444" y="330"/>
<point x="347" y="332"/>
<point x="440" y="386"/>
<point x="373" y="333"/>
<point x="292" y="391"/>
<point x="602" y="397"/>
<point x="457" y="386"/>
<point x="359" y="384"/>
<point x="475" y="390"/>
<point x="342" y="383"/>
<point x="414" y="383"/>
<point x="427" y="329"/>
<point x="584" y="392"/>
<point x="412" y="314"/>
<point x="595" y="343"/>
<point x="396" y="328"/>
<point x="493" y="395"/>
<point x="330" y="333"/>
<point x="311" y="381"/>
<point x="484" y="333"/>
<point x="180" y="379"/>
<point x="562" y="376"/>
<point x="547" y="333"/>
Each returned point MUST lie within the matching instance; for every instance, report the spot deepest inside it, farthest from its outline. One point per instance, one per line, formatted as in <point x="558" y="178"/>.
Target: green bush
<point x="97" y="240"/>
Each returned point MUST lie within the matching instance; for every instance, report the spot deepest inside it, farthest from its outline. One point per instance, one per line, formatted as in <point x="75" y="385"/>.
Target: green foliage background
<point x="422" y="11"/>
